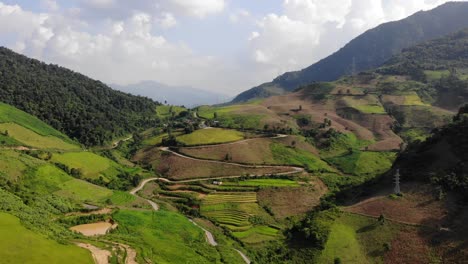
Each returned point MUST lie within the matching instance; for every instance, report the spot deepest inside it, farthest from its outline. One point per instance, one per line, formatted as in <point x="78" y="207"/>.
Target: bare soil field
<point x="176" y="167"/>
<point x="290" y="201"/>
<point x="416" y="206"/>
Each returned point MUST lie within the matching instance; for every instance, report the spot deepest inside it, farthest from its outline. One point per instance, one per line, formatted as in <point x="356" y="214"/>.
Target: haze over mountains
<point x="369" y="50"/>
<point x="174" y="95"/>
<point x="360" y="158"/>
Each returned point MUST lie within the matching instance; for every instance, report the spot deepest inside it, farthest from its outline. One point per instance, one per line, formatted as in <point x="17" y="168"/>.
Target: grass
<point x="164" y="237"/>
<point x="210" y="136"/>
<point x="343" y="244"/>
<point x="20" y="245"/>
<point x="294" y="156"/>
<point x="167" y="110"/>
<point x="413" y="134"/>
<point x="264" y="183"/>
<point x="156" y="140"/>
<point x="436" y="75"/>
<point x="370" y="109"/>
<point x="257" y="234"/>
<point x="121" y="198"/>
<point x="364" y="162"/>
<point x="9" y="114"/>
<point x="8" y="141"/>
<point x="92" y="165"/>
<point x="413" y="99"/>
<point x="230" y="116"/>
<point x="358" y="239"/>
<point x="341" y="143"/>
<point x="32" y="139"/>
<point x="14" y="164"/>
<point x="50" y="179"/>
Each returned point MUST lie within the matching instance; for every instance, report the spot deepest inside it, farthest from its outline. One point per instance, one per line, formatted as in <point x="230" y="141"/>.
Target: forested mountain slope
<point x="82" y="108"/>
<point x="370" y="49"/>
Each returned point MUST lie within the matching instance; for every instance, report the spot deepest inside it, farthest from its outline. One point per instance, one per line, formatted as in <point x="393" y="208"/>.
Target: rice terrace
<point x="129" y="134"/>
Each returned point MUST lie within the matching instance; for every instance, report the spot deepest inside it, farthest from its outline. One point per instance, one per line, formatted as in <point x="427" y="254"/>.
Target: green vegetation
<point x="157" y="140"/>
<point x="364" y="162"/>
<point x="32" y="139"/>
<point x="92" y="165"/>
<point x="257" y="234"/>
<point x="357" y="239"/>
<point x="9" y="114"/>
<point x="50" y="179"/>
<point x="294" y="156"/>
<point x="230" y="116"/>
<point x="82" y="108"/>
<point x="371" y="109"/>
<point x="165" y="111"/>
<point x="340" y="143"/>
<point x="14" y="164"/>
<point x="164" y="237"/>
<point x="240" y="213"/>
<point x="20" y="245"/>
<point x="210" y="136"/>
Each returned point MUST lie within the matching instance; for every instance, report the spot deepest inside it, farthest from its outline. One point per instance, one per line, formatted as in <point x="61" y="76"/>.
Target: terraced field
<point x="230" y="198"/>
<point x="240" y="213"/>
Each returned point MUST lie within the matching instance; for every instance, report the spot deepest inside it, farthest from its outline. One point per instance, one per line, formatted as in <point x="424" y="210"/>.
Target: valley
<point x="359" y="158"/>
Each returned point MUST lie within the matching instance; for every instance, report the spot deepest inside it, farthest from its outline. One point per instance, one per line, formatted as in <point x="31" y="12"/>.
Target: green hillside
<point x="22" y="129"/>
<point x="82" y="108"/>
<point x="369" y="50"/>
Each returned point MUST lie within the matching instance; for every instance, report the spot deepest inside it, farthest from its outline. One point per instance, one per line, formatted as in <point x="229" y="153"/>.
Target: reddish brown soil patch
<point x="253" y="151"/>
<point x="290" y="201"/>
<point x="417" y="206"/>
<point x="179" y="168"/>
<point x="408" y="247"/>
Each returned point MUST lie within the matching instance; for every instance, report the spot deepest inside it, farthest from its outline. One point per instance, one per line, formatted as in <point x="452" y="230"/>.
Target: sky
<point x="226" y="46"/>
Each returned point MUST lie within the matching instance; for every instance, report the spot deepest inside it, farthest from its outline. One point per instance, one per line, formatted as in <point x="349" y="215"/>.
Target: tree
<point x="215" y="115"/>
<point x="381" y="219"/>
<point x="293" y="144"/>
<point x="300" y="107"/>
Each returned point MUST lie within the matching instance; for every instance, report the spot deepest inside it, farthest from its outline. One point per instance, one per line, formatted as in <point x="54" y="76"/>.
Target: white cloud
<point x="198" y="8"/>
<point x="308" y="30"/>
<point x="239" y="15"/>
<point x="128" y="52"/>
<point x="50" y="5"/>
<point x="166" y="20"/>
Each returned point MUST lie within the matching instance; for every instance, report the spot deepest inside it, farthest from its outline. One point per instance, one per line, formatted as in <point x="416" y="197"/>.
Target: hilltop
<point x="84" y="109"/>
<point x="369" y="50"/>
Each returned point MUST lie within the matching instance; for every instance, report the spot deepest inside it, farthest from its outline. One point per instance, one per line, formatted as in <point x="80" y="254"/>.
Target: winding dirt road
<point x="293" y="169"/>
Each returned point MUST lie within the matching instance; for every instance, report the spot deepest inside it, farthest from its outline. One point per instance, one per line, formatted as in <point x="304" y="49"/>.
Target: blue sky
<point x="223" y="45"/>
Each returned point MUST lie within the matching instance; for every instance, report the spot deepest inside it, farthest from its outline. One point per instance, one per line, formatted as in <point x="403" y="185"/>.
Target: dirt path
<point x="100" y="256"/>
<point x="115" y="144"/>
<point x="244" y="257"/>
<point x="140" y="187"/>
<point x="293" y="169"/>
<point x="209" y="236"/>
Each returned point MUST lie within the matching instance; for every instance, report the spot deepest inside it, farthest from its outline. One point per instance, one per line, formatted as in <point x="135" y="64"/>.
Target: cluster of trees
<point x="446" y="167"/>
<point x="84" y="109"/>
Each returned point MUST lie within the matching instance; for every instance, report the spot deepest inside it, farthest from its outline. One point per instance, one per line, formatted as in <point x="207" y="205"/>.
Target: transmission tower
<point x="397" y="182"/>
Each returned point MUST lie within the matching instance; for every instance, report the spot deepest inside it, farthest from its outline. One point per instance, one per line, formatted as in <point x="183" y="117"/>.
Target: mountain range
<point x="369" y="50"/>
<point x="174" y="95"/>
